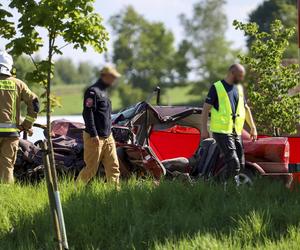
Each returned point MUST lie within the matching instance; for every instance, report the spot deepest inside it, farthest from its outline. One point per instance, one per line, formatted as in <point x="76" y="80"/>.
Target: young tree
<point x="209" y="52"/>
<point x="270" y="10"/>
<point x="73" y="21"/>
<point x="275" y="110"/>
<point x="143" y="51"/>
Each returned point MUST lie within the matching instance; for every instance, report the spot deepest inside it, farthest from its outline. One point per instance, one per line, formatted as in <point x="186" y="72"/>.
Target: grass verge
<point x="142" y="216"/>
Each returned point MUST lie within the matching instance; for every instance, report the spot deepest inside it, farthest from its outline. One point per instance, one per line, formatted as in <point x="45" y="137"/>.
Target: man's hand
<point x="253" y="134"/>
<point x="96" y="141"/>
<point x="21" y="128"/>
<point x="204" y="134"/>
<point x="30" y="132"/>
<point x="250" y="122"/>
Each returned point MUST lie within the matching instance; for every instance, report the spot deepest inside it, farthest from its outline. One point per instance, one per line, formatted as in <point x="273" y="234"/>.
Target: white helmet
<point x="6" y="63"/>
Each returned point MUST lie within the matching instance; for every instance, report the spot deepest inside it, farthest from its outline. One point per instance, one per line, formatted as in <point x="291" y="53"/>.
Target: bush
<point x="275" y="110"/>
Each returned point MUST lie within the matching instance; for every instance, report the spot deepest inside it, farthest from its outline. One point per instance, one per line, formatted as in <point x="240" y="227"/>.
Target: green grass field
<point x="71" y="98"/>
<point x="142" y="216"/>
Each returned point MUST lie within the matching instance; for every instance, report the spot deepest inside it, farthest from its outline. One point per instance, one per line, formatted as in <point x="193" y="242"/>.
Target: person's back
<point x="12" y="92"/>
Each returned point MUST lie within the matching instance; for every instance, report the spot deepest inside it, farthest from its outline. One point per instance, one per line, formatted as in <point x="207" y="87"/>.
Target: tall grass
<point x="143" y="216"/>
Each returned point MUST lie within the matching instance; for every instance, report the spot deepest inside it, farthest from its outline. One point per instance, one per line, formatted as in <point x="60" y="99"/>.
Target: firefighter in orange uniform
<point x="12" y="92"/>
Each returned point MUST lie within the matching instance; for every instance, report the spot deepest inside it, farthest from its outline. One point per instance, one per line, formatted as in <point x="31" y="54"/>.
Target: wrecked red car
<point x="159" y="141"/>
<point x="174" y="132"/>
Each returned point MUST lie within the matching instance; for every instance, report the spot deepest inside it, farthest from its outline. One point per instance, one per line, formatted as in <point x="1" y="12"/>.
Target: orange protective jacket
<point x="12" y="92"/>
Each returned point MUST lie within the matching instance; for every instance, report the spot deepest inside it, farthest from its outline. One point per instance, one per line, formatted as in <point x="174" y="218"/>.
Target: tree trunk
<point x="52" y="167"/>
<point x="48" y="109"/>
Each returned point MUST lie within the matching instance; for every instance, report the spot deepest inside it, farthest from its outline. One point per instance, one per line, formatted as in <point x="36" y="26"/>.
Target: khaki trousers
<point x="106" y="153"/>
<point x="8" y="155"/>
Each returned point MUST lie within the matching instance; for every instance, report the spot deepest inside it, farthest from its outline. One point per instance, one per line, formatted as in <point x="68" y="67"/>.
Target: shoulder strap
<point x="219" y="86"/>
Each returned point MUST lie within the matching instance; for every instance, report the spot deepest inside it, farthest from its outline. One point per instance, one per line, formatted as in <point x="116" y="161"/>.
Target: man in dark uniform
<point x="229" y="111"/>
<point x="99" y="144"/>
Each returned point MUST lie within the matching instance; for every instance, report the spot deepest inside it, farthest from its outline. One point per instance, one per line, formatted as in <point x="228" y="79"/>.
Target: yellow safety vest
<point x="222" y="120"/>
<point x="8" y="93"/>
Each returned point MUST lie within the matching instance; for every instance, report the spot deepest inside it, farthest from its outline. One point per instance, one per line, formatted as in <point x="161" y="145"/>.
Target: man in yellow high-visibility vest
<point x="12" y="92"/>
<point x="229" y="111"/>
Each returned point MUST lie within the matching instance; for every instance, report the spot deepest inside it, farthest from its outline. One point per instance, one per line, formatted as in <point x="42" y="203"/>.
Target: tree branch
<point x="63" y="46"/>
<point x="33" y="61"/>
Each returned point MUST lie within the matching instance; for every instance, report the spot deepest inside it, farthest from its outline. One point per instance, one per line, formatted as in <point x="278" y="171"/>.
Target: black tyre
<point x="245" y="178"/>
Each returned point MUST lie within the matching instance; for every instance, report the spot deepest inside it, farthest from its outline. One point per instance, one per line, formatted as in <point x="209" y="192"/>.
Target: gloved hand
<point x="28" y="131"/>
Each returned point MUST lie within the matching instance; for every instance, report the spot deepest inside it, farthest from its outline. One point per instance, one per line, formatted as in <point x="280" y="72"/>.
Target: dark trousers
<point x="231" y="145"/>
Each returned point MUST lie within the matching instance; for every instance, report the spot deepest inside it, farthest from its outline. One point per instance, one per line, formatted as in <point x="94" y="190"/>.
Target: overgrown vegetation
<point x="276" y="111"/>
<point x="142" y="216"/>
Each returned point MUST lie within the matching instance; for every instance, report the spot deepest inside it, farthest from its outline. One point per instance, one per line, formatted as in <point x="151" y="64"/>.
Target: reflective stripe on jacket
<point x="12" y="92"/>
<point x="222" y="120"/>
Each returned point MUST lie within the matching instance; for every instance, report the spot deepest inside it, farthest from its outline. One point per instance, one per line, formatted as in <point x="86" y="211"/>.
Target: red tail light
<point x="286" y="154"/>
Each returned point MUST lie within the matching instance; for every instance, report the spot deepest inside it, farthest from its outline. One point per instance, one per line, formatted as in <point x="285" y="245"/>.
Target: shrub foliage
<point x="275" y="109"/>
